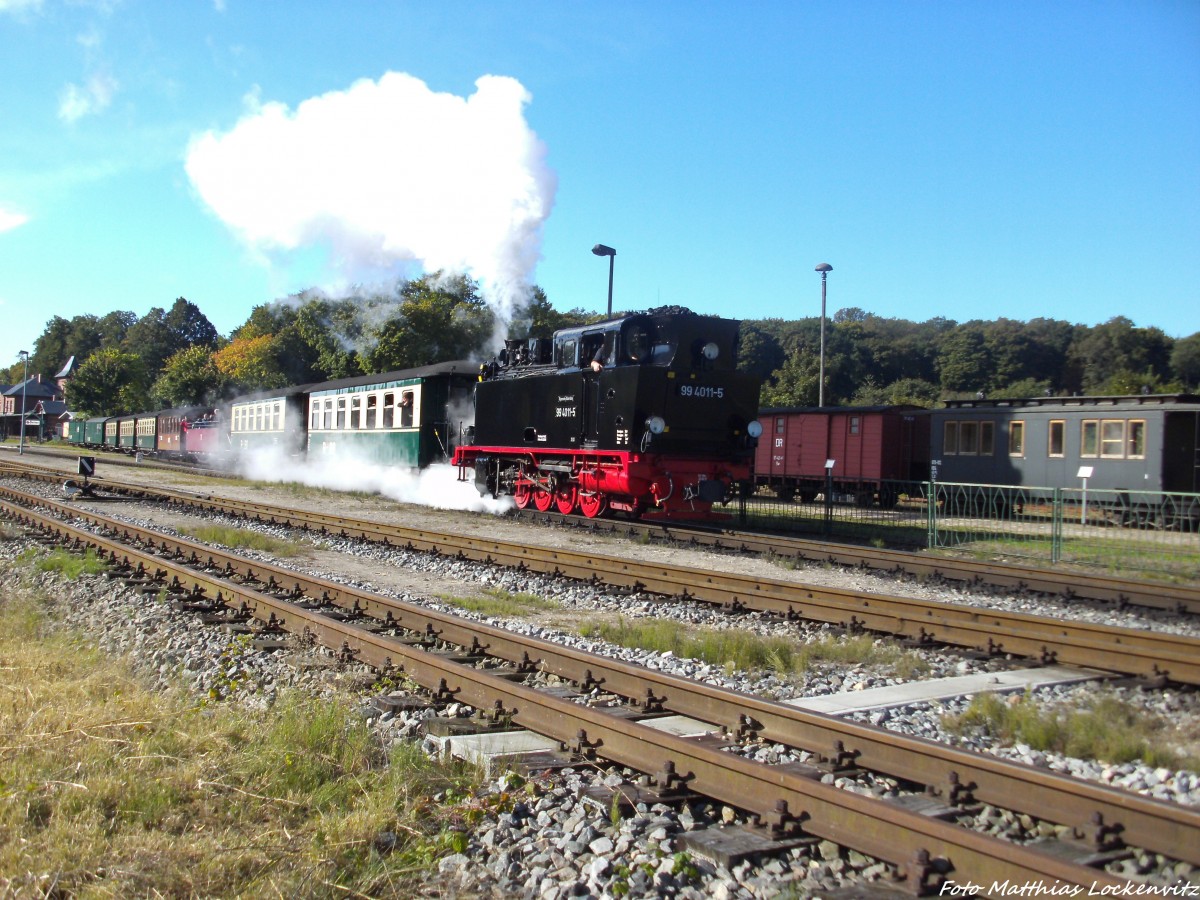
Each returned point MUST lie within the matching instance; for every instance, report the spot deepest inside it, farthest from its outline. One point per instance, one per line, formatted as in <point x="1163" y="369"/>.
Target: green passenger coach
<point x="407" y="419"/>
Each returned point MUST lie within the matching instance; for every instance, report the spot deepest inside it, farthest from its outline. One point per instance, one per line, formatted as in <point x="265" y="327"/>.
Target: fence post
<point x="1056" y="527"/>
<point x="931" y="515"/>
<point x="828" y="500"/>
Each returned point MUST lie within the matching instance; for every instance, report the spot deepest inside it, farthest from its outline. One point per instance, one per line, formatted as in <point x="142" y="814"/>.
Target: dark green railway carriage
<point x="410" y="419"/>
<point x="270" y="419"/>
<point x="77" y="432"/>
<point x="145" y="432"/>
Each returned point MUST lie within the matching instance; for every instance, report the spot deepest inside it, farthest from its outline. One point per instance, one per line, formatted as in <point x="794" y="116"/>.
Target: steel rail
<point x="1181" y="598"/>
<point x="1155" y="656"/>
<point x="923" y="849"/>
<point x="956" y="775"/>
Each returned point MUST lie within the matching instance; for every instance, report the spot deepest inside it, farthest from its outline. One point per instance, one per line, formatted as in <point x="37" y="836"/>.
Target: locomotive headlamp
<point x="754" y="429"/>
<point x="711" y="351"/>
<point x="656" y="424"/>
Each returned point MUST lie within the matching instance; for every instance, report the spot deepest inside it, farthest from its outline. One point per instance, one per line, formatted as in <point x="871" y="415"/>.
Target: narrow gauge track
<point x="445" y="653"/>
<point x="1181" y="598"/>
<point x="1155" y="657"/>
<point x="1122" y="592"/>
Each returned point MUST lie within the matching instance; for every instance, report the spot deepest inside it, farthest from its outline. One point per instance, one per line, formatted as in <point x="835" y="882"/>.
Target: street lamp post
<point x="24" y="354"/>
<point x="601" y="250"/>
<point x="824" y="269"/>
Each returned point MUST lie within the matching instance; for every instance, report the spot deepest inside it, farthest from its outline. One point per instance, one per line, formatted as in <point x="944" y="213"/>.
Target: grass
<point x="501" y="603"/>
<point x="245" y="538"/>
<point x="108" y="789"/>
<point x="1110" y="730"/>
<point x="742" y="650"/>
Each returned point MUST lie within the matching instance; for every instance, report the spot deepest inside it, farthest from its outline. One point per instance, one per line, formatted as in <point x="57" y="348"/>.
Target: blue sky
<point x="955" y="159"/>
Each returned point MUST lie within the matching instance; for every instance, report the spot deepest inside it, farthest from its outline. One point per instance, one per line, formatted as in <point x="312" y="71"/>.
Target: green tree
<point x="251" y="364"/>
<point x="440" y="318"/>
<point x="110" y="382"/>
<point x="189" y="378"/>
<point x="1185" y="361"/>
<point x="1119" y="346"/>
<point x="964" y="364"/>
<point x="759" y="352"/>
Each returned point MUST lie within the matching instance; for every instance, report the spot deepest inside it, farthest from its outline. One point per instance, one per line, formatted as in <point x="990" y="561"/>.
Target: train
<point x="645" y="413"/>
<point x="1140" y="446"/>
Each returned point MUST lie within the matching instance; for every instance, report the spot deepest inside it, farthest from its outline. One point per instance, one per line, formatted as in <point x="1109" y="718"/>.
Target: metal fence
<point x="1138" y="532"/>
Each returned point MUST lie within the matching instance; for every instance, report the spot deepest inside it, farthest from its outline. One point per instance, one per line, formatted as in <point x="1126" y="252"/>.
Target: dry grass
<point x="110" y="790"/>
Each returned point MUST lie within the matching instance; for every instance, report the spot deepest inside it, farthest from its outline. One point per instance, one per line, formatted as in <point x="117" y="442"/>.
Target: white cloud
<point x="20" y="6"/>
<point x="10" y="220"/>
<point x="388" y="172"/>
<point x="93" y="97"/>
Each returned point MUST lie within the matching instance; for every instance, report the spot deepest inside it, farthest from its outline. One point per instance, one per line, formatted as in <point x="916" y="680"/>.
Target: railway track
<point x="1069" y="584"/>
<point x="1156" y="657"/>
<point x="499" y="672"/>
<point x="1122" y="592"/>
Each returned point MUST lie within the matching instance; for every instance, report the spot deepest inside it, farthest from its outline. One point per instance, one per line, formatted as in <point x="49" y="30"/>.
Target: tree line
<point x="175" y="357"/>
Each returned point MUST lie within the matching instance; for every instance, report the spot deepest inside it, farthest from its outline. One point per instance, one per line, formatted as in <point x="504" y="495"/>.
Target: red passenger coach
<point x="875" y="449"/>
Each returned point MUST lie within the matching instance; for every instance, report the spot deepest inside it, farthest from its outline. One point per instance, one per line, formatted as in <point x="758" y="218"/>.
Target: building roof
<point x="33" y="388"/>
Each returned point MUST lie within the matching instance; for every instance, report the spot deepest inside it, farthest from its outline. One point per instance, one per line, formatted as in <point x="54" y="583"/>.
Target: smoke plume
<point x="388" y="173"/>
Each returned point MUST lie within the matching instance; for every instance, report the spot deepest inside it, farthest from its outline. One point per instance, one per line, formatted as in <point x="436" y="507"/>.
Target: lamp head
<point x="823" y="268"/>
<point x="602" y="250"/>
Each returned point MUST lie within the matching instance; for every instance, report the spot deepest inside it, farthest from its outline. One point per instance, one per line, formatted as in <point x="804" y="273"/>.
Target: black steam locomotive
<point x="646" y="414"/>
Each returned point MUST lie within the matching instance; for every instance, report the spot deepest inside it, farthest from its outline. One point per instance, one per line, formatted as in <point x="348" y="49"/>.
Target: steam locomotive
<point x="645" y="414"/>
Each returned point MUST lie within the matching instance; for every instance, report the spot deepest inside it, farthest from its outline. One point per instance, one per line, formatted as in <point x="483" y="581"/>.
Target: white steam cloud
<point x="437" y="486"/>
<point x="388" y="173"/>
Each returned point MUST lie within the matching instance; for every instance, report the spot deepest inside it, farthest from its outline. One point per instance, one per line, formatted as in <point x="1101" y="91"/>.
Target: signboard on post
<point x="87" y="466"/>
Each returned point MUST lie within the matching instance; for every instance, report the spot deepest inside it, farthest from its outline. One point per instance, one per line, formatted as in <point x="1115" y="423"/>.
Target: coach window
<point x="327" y="415"/>
<point x="968" y="438"/>
<point x="950" y="439"/>
<point x="406" y="409"/>
<point x="854" y="424"/>
<point x="1112" y="438"/>
<point x="258" y="417"/>
<point x="1016" y="438"/>
<point x="355" y="413"/>
<point x="389" y="410"/>
<point x="314" y="417"/>
<point x="372" y="411"/>
<point x="1089" y="438"/>
<point x="341" y="413"/>
<point x="1057" y="438"/>
<point x="1137" y="439"/>
<point x="780" y="426"/>
<point x="987" y="438"/>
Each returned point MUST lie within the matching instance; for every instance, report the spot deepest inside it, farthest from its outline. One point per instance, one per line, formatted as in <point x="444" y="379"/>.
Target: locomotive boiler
<point x="645" y="414"/>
